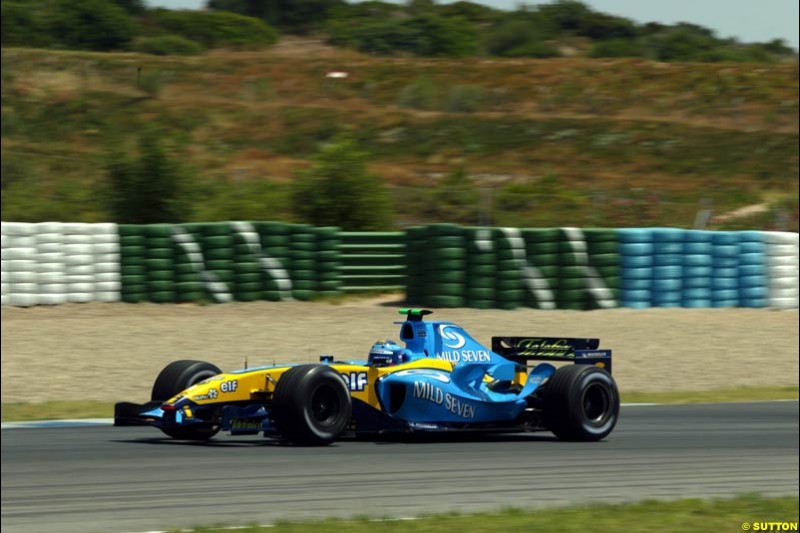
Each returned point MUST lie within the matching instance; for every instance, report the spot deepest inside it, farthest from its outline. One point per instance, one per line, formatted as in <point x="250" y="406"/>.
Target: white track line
<point x="94" y="422"/>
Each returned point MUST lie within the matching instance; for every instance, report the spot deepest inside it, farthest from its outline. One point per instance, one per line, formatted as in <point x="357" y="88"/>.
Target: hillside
<point x="551" y="142"/>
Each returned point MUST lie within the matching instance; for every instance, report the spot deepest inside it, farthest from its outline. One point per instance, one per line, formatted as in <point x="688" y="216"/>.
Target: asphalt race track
<point x="129" y="479"/>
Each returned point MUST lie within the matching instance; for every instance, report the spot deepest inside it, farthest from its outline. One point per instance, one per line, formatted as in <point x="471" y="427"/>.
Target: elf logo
<point x="229" y="386"/>
<point x="356" y="381"/>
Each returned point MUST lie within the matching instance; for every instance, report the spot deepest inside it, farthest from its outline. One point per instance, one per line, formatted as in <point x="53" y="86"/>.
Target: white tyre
<point x="105" y="248"/>
<point x="49" y="227"/>
<point x="782" y="283"/>
<point x="109" y="267"/>
<point x="23" y="276"/>
<point x="79" y="270"/>
<point x="79" y="297"/>
<point x="102" y="277"/>
<point x="781" y="237"/>
<point x="50" y="257"/>
<point x="18" y="253"/>
<point x="50" y="267"/>
<point x="15" y="241"/>
<point x="49" y="238"/>
<point x="77" y="249"/>
<point x="23" y="299"/>
<point x="75" y="228"/>
<point x="77" y="239"/>
<point x="52" y="299"/>
<point x="783" y="260"/>
<point x="779" y="293"/>
<point x="20" y="265"/>
<point x="84" y="278"/>
<point x="106" y="297"/>
<point x="782" y="249"/>
<point x="78" y="259"/>
<point x="53" y="288"/>
<point x="80" y="287"/>
<point x="51" y="277"/>
<point x="107" y="286"/>
<point x="783" y="303"/>
<point x="24" y="288"/>
<point x="106" y="258"/>
<point x="781" y="272"/>
<point x="17" y="228"/>
<point x="103" y="228"/>
<point x="49" y="248"/>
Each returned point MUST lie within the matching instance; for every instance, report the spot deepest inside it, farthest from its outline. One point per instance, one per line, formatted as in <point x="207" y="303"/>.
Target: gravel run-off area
<point x="113" y="352"/>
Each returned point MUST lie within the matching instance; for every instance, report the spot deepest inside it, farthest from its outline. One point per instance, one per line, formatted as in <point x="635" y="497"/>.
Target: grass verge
<point x="60" y="410"/>
<point x="56" y="410"/>
<point x="739" y="394"/>
<point x="685" y="516"/>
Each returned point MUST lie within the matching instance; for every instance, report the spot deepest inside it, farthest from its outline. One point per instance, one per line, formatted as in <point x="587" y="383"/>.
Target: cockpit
<point x="387" y="353"/>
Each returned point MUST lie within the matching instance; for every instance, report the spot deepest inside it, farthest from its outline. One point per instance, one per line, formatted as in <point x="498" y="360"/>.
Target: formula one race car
<point x="442" y="380"/>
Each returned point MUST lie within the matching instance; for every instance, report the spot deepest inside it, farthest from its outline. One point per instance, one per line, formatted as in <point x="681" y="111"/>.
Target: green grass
<point x="56" y="410"/>
<point x="740" y="394"/>
<point x="59" y="410"/>
<point x="684" y="516"/>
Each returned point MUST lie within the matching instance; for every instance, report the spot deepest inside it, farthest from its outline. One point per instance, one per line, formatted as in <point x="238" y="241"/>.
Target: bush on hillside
<point x="617" y="48"/>
<point x="339" y="191"/>
<point x="89" y="25"/>
<point x="465" y="98"/>
<point x="519" y="38"/>
<point x="422" y="94"/>
<point x="565" y="14"/>
<point x="426" y="35"/>
<point x="469" y="11"/>
<point x="216" y="29"/>
<point x="600" y="27"/>
<point x="290" y="15"/>
<point x="683" y="42"/>
<point x="167" y="45"/>
<point x="147" y="189"/>
<point x="22" y="26"/>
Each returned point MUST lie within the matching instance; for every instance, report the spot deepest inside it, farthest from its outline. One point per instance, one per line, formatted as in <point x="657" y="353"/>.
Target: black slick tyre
<point x="176" y="377"/>
<point x="581" y="403"/>
<point x="311" y="405"/>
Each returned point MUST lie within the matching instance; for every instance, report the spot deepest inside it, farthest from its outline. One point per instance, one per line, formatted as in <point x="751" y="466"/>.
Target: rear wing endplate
<point x="578" y="351"/>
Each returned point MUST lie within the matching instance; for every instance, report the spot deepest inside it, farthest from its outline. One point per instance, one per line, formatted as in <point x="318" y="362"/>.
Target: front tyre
<point x="174" y="379"/>
<point x="311" y="405"/>
<point x="581" y="403"/>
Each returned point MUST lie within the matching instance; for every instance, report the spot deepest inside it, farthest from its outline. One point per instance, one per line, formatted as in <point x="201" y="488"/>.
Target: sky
<point x="747" y="20"/>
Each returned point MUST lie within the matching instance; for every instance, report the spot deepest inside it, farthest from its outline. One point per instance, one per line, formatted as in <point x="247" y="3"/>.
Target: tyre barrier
<point x="51" y="263"/>
<point x="440" y="265"/>
<point x="781" y="252"/>
<point x="444" y="263"/>
<point x="751" y="271"/>
<point x="479" y="275"/>
<point x="541" y="267"/>
<point x="636" y="267"/>
<point x="370" y="261"/>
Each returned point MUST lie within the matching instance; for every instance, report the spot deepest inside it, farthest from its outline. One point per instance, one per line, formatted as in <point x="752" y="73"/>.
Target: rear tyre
<point x="581" y="403"/>
<point x="176" y="377"/>
<point x="311" y="405"/>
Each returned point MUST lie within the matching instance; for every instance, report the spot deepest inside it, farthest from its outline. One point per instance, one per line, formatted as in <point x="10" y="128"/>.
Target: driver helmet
<point x="386" y="353"/>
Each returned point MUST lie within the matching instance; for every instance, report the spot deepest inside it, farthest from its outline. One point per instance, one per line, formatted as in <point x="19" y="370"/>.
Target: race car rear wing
<point x="578" y="351"/>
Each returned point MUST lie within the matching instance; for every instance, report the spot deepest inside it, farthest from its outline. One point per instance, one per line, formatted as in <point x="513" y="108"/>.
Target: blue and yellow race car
<point x="440" y="380"/>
